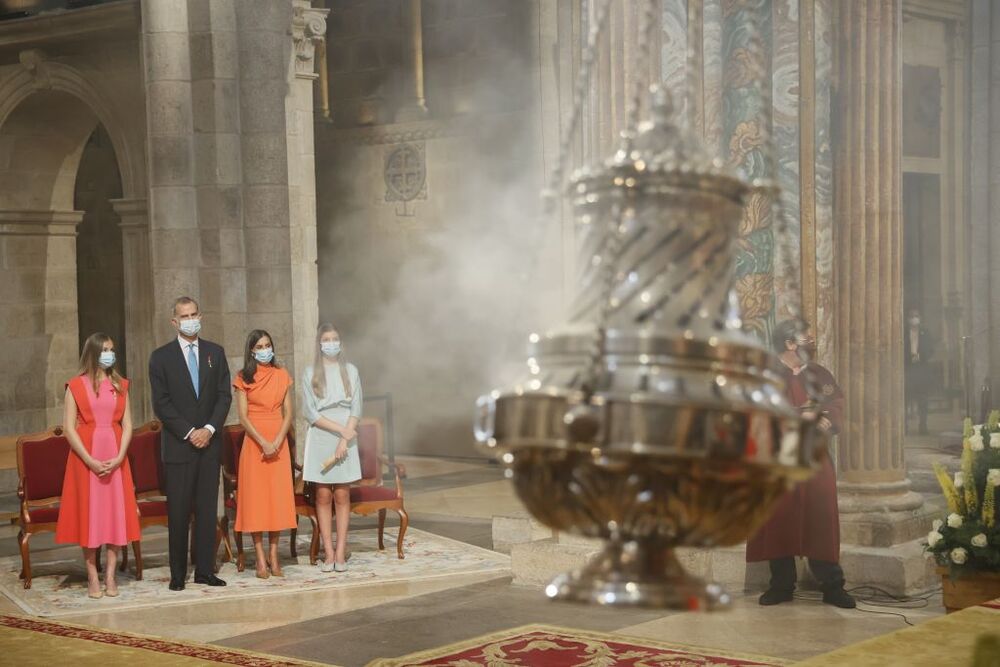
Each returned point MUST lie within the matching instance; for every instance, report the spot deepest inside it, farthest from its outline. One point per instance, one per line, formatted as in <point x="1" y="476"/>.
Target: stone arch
<point x="39" y="76"/>
<point x="48" y="113"/>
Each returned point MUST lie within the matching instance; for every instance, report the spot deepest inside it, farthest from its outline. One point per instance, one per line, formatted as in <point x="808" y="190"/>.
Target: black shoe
<point x="176" y="585"/>
<point x="839" y="598"/>
<point x="208" y="580"/>
<point x="773" y="596"/>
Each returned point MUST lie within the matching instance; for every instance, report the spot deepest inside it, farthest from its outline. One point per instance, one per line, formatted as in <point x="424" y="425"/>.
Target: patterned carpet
<point x="547" y="646"/>
<point x="31" y="641"/>
<point x="59" y="588"/>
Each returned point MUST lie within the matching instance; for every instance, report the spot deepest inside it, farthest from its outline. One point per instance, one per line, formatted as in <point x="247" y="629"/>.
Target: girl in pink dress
<point x="98" y="500"/>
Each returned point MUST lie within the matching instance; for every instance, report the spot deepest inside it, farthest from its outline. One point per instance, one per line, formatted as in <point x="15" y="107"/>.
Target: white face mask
<point x="107" y="359"/>
<point x="330" y="348"/>
<point x="264" y="356"/>
<point x="190" y="327"/>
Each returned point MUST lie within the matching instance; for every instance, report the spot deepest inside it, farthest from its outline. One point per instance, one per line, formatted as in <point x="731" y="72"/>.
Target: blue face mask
<point x="107" y="359"/>
<point x="190" y="327"/>
<point x="330" y="348"/>
<point x="264" y="356"/>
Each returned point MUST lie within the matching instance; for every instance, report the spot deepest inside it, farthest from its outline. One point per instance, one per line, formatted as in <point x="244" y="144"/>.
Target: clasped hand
<point x="200" y="437"/>
<point x="103" y="468"/>
<point x="270" y="449"/>
<point x="824" y="423"/>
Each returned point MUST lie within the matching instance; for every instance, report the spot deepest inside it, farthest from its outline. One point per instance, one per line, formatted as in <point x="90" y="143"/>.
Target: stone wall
<point x="54" y="91"/>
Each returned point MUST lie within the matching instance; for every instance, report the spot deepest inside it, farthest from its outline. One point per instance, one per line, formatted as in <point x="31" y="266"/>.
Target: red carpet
<point x="546" y="646"/>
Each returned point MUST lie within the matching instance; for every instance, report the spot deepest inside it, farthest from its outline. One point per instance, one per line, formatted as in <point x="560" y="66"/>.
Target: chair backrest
<point x="232" y="445"/>
<point x="41" y="466"/>
<point x="145" y="461"/>
<point x="370" y="451"/>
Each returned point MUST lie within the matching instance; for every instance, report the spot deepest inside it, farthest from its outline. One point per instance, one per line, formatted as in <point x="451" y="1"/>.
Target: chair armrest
<point x="400" y="472"/>
<point x="398" y="468"/>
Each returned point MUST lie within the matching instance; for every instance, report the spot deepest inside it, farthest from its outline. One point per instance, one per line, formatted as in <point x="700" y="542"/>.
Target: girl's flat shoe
<point x="95" y="596"/>
<point x="263" y="575"/>
<point x="110" y="594"/>
<point x="327" y="567"/>
<point x="340" y="567"/>
<point x="276" y="572"/>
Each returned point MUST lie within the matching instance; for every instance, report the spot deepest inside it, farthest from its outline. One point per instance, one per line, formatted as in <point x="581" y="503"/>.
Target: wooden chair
<point x="232" y="447"/>
<point x="369" y="494"/>
<point x="41" y="467"/>
<point x="147" y="475"/>
<point x="149" y="479"/>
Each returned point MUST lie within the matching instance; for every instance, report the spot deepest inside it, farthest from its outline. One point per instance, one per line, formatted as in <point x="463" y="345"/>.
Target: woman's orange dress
<point x="265" y="498"/>
<point x="96" y="510"/>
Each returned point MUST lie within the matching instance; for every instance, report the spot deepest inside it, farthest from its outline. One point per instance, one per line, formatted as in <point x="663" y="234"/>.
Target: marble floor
<point x="457" y="499"/>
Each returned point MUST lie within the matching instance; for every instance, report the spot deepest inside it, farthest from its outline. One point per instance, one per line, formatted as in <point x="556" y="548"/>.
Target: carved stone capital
<point x="308" y="29"/>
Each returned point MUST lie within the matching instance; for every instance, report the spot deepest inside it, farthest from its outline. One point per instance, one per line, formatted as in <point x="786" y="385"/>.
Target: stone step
<point x="517" y="528"/>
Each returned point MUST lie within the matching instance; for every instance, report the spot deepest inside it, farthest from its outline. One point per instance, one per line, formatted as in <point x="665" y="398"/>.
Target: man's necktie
<point x="193" y="368"/>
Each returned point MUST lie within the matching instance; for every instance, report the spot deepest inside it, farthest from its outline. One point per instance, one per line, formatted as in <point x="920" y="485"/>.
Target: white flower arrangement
<point x="968" y="538"/>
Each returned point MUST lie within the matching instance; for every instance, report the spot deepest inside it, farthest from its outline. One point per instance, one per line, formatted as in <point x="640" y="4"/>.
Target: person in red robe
<point x="805" y="522"/>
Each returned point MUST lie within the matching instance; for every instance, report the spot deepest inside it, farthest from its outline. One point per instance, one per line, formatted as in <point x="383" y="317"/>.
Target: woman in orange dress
<point x="265" y="498"/>
<point x="98" y="500"/>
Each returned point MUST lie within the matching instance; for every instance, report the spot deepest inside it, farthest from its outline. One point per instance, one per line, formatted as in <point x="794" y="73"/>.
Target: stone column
<point x="308" y="29"/>
<point x="38" y="297"/>
<point x="983" y="275"/>
<point x="139" y="309"/>
<point x="414" y="107"/>
<point x="878" y="509"/>
<point x="173" y="213"/>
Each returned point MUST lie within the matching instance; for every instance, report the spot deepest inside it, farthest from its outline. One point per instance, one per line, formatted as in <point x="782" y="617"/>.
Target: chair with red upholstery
<point x="232" y="445"/>
<point x="371" y="494"/>
<point x="147" y="475"/>
<point x="41" y="466"/>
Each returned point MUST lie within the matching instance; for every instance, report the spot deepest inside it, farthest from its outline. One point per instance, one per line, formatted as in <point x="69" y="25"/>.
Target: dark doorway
<point x="100" y="276"/>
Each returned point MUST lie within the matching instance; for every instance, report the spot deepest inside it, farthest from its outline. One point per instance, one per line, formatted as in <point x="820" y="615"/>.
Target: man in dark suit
<point x="918" y="346"/>
<point x="191" y="396"/>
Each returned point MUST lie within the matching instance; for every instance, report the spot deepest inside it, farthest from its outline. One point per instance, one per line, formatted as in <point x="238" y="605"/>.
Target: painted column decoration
<point x="746" y="126"/>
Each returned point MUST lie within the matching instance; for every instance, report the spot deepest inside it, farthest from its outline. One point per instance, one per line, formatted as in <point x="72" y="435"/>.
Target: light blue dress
<point x="320" y="443"/>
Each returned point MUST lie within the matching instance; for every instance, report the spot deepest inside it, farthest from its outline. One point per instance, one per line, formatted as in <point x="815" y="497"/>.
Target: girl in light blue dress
<point x="332" y="404"/>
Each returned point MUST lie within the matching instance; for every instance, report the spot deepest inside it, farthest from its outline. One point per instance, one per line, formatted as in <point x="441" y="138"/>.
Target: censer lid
<point x="662" y="153"/>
